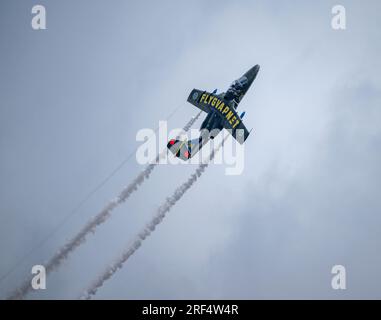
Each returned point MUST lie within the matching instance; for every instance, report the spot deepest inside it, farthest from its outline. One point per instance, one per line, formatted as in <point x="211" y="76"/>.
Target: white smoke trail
<point x="191" y="122"/>
<point x="150" y="227"/>
<point x="96" y="221"/>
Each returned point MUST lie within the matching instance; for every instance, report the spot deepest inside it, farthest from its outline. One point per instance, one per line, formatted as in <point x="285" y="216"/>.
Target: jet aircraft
<point x="221" y="113"/>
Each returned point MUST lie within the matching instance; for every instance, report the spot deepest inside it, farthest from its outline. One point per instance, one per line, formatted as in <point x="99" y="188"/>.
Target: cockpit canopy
<point x="240" y="83"/>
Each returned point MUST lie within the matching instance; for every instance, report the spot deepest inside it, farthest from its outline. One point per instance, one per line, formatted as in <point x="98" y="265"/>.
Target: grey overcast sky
<point x="73" y="96"/>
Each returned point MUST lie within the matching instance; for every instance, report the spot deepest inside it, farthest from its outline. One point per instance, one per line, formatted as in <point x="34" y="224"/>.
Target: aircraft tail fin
<point x="179" y="149"/>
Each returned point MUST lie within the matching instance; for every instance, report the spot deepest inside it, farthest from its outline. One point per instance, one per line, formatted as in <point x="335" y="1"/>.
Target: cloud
<point x="307" y="198"/>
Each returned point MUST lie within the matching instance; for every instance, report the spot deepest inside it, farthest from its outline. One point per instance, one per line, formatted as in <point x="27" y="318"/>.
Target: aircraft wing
<point x="239" y="132"/>
<point x="209" y="102"/>
<point x="194" y="98"/>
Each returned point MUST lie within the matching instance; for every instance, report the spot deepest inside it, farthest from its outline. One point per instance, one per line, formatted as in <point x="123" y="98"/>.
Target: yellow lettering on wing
<point x="236" y="123"/>
<point x="220" y="106"/>
<point x="229" y="115"/>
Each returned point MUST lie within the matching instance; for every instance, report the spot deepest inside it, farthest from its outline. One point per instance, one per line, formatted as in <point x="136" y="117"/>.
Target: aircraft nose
<point x="252" y="73"/>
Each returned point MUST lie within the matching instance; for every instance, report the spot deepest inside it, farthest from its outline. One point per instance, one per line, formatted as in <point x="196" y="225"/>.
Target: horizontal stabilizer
<point x="186" y="149"/>
<point x="179" y="149"/>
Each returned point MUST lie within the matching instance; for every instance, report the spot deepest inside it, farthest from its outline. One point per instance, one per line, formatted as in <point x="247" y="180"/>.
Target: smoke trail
<point x="191" y="122"/>
<point x="150" y="227"/>
<point x="100" y="218"/>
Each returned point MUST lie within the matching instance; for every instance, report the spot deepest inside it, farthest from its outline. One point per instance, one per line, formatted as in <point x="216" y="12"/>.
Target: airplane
<point x="221" y="113"/>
